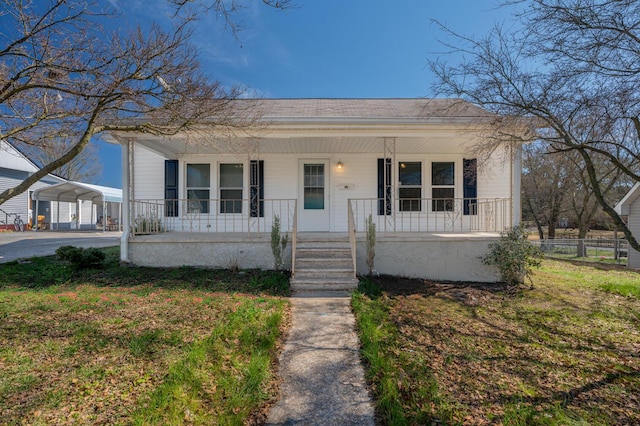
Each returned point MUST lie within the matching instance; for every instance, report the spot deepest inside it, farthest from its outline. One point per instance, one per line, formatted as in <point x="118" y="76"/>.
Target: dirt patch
<point x="465" y="291"/>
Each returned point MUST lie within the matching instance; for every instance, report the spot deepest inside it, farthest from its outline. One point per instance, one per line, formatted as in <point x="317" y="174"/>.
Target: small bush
<point x="370" y="288"/>
<point x="514" y="256"/>
<point x="81" y="258"/>
<point x="371" y="244"/>
<point x="278" y="243"/>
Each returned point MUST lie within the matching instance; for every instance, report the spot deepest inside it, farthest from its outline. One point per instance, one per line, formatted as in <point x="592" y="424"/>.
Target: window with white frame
<point x="231" y="187"/>
<point x="442" y="185"/>
<point x="198" y="187"/>
<point x="410" y="188"/>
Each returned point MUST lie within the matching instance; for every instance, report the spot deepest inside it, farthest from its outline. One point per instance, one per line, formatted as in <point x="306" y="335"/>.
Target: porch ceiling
<point x="306" y="145"/>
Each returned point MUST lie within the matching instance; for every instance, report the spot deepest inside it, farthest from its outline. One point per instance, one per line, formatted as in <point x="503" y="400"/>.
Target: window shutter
<point x="470" y="186"/>
<point x="384" y="187"/>
<point x="171" y="188"/>
<point x="256" y="188"/>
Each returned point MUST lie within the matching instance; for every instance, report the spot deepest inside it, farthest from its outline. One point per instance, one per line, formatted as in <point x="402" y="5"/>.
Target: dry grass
<point x="563" y="352"/>
<point x="175" y="351"/>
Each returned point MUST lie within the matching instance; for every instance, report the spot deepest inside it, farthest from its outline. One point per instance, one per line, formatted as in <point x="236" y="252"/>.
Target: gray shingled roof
<point x="370" y="109"/>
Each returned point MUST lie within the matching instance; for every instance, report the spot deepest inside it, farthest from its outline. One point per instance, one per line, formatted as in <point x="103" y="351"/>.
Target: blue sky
<point x="323" y="48"/>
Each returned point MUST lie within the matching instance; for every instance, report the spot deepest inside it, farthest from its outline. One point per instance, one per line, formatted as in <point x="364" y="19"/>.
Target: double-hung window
<point x="198" y="183"/>
<point x="231" y="177"/>
<point x="410" y="189"/>
<point x="442" y="186"/>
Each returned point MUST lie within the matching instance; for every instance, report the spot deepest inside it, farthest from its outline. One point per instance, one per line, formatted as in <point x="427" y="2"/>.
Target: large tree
<point x="570" y="66"/>
<point x="544" y="188"/>
<point x="65" y="76"/>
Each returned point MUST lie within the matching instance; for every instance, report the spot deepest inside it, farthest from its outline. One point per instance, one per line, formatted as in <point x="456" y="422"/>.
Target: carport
<point x="72" y="192"/>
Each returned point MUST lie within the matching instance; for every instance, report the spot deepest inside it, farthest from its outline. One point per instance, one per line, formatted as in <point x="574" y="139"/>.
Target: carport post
<point x="37" y="200"/>
<point x="105" y="220"/>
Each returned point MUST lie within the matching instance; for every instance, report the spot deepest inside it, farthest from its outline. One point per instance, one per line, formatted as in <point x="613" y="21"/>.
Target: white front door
<point x="313" y="210"/>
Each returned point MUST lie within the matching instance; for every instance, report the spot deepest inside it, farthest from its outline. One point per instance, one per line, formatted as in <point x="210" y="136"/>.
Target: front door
<point x="313" y="210"/>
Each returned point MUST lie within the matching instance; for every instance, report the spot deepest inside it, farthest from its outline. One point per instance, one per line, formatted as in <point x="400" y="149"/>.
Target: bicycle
<point x="18" y="224"/>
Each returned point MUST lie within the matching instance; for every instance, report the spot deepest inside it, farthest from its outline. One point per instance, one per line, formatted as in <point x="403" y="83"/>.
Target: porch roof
<point x="337" y="126"/>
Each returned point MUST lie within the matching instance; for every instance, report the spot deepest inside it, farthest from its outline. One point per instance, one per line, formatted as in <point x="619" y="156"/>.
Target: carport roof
<point x="72" y="191"/>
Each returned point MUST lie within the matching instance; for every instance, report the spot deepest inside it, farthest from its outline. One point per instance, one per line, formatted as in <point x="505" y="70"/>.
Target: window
<point x="198" y="182"/>
<point x="231" y="176"/>
<point x="314" y="186"/>
<point x="442" y="186"/>
<point x="410" y="190"/>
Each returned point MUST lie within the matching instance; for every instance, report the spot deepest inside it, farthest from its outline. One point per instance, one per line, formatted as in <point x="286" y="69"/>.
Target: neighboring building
<point x="56" y="209"/>
<point x="630" y="206"/>
<point x="323" y="166"/>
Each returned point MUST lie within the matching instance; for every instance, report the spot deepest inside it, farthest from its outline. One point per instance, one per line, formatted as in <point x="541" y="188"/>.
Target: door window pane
<point x="313" y="186"/>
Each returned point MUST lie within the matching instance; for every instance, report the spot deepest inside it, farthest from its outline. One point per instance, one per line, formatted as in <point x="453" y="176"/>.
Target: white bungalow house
<point x="54" y="202"/>
<point x="630" y="206"/>
<point x="323" y="167"/>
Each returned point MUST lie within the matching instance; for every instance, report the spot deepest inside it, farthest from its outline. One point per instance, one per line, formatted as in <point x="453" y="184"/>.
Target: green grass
<point x="564" y="352"/>
<point x="126" y="345"/>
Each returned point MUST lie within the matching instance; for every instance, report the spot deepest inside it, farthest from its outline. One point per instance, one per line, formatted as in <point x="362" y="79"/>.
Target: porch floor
<point x="312" y="236"/>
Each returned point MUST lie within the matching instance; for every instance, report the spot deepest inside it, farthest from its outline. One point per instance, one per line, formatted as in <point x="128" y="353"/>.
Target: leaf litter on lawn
<point x="551" y="354"/>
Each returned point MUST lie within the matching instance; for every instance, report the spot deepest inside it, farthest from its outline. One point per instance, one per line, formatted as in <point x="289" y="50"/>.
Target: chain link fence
<point x="606" y="250"/>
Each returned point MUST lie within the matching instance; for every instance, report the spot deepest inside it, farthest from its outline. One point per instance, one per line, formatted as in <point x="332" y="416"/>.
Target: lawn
<point x="566" y="351"/>
<point x="137" y="345"/>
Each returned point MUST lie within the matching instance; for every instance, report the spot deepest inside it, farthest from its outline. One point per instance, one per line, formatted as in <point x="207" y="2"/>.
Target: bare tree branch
<point x="64" y="77"/>
<point x="572" y="66"/>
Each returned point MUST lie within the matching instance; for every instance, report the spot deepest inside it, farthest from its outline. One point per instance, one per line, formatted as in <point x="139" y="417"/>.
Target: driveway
<point x="20" y="245"/>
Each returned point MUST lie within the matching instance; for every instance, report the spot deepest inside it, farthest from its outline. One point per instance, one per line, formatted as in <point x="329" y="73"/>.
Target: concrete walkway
<point x="322" y="377"/>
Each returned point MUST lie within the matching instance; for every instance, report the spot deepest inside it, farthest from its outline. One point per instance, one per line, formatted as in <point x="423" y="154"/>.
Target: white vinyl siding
<point x="148" y="174"/>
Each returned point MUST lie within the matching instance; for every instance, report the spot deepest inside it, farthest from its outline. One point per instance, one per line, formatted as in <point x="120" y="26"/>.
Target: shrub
<point x="513" y="255"/>
<point x="371" y="244"/>
<point x="148" y="225"/>
<point x="81" y="258"/>
<point x="278" y="243"/>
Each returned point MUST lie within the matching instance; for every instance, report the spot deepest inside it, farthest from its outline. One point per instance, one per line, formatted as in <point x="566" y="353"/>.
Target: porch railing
<point x="212" y="215"/>
<point x="294" y="239"/>
<point x="432" y="214"/>
<point x="352" y="237"/>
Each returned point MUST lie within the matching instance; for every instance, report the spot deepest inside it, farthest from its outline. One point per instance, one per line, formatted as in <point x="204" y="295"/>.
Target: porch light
<point x="339" y="164"/>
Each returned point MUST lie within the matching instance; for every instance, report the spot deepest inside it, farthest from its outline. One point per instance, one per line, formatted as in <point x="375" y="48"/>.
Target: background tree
<point x="544" y="188"/>
<point x="572" y="67"/>
<point x="86" y="167"/>
<point x="64" y="77"/>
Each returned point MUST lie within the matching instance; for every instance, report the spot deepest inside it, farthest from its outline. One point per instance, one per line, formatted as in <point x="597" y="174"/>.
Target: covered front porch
<point x="438" y="245"/>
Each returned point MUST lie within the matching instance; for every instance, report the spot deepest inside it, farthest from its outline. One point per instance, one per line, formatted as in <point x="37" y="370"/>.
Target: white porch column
<point x="126" y="219"/>
<point x="516" y="177"/>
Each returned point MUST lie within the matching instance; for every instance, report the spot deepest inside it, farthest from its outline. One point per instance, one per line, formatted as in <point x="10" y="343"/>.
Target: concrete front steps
<point x="323" y="264"/>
